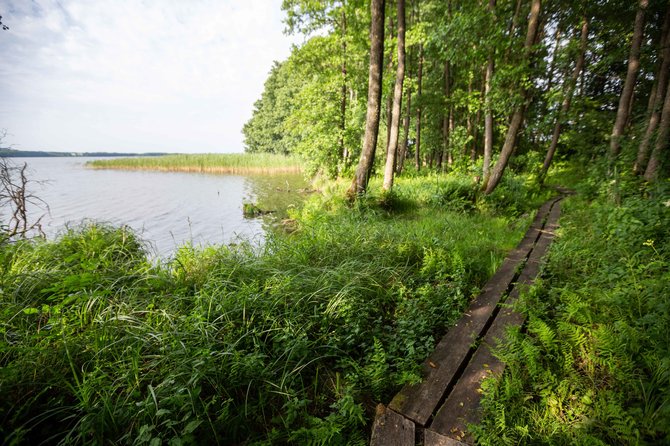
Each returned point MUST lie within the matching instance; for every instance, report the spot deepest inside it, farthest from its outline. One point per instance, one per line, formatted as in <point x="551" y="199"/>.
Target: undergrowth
<point x="292" y="343"/>
<point x="593" y="366"/>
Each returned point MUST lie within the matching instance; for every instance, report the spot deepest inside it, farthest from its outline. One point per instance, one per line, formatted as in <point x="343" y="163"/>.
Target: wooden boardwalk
<point x="436" y="411"/>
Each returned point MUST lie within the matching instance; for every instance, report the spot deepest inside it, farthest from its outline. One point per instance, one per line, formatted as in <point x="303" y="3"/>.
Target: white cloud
<point x="133" y="75"/>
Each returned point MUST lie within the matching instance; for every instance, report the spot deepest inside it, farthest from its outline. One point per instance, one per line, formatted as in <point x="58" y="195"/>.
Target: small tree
<point x="15" y="198"/>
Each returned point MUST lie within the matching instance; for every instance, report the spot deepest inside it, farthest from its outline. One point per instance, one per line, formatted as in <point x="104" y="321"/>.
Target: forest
<point x="433" y="131"/>
<point x="466" y="86"/>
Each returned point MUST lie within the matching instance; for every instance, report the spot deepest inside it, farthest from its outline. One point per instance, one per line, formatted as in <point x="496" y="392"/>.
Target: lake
<point x="167" y="209"/>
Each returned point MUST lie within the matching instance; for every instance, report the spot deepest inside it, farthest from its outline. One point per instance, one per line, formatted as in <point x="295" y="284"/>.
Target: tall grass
<point x="294" y="343"/>
<point x="229" y="163"/>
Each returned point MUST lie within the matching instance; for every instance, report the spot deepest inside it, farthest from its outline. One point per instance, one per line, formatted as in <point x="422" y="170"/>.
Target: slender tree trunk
<point x="360" y="182"/>
<point x="417" y="151"/>
<point x="343" y="92"/>
<point x="653" y="166"/>
<point x="403" y="142"/>
<point x="517" y="117"/>
<point x="511" y="30"/>
<point x="397" y="101"/>
<point x="389" y="99"/>
<point x="629" y="84"/>
<point x="402" y="149"/>
<point x="488" y="115"/>
<point x="488" y="121"/>
<point x="452" y="124"/>
<point x="445" y="116"/>
<point x="550" y="71"/>
<point x="468" y="121"/>
<point x="567" y="98"/>
<point x="656" y="98"/>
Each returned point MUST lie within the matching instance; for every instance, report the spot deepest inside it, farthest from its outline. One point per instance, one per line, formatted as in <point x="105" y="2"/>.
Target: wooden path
<point x="436" y="411"/>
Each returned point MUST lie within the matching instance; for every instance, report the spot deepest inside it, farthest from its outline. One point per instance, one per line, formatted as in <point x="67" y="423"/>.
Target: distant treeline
<point x="11" y="153"/>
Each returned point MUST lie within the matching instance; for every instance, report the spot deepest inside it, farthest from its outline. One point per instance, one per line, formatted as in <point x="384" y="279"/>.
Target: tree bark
<point x="397" y="101"/>
<point x="360" y="182"/>
<point x="417" y="151"/>
<point x="344" y="152"/>
<point x="518" y="115"/>
<point x="567" y="98"/>
<point x="445" y="117"/>
<point x="389" y="99"/>
<point x="488" y="121"/>
<point x="662" y="139"/>
<point x="468" y="123"/>
<point x="550" y="70"/>
<point x="629" y="84"/>
<point x="403" y="142"/>
<point x="488" y="115"/>
<point x="657" y="97"/>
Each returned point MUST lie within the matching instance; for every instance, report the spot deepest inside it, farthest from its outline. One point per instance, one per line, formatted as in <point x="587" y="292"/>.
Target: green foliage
<point x="594" y="364"/>
<point x="266" y="131"/>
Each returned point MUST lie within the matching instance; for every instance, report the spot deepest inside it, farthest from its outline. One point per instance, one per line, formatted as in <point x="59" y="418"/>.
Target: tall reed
<point x="231" y="163"/>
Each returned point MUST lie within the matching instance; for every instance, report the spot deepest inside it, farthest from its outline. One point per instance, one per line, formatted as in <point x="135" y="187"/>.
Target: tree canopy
<point x="545" y="80"/>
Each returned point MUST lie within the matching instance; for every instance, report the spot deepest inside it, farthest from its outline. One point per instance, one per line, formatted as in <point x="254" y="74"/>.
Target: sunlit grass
<point x="227" y="163"/>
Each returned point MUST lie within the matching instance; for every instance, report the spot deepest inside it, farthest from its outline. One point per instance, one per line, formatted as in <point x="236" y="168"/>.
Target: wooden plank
<point x="418" y="402"/>
<point x="391" y="429"/>
<point x="432" y="438"/>
<point x="462" y="405"/>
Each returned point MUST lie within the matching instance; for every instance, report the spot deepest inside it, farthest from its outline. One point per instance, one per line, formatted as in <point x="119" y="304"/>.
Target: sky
<point x="135" y="75"/>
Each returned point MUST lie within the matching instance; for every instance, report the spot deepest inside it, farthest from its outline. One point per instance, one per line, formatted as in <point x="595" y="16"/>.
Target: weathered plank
<point x="432" y="438"/>
<point x="391" y="429"/>
<point x="418" y="402"/>
<point x="462" y="405"/>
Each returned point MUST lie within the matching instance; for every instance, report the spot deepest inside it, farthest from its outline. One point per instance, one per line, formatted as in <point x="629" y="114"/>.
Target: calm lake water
<point x="166" y="209"/>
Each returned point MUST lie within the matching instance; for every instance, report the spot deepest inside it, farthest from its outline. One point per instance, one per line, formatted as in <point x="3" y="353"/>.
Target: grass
<point x="292" y="343"/>
<point x="593" y="366"/>
<point x="230" y="163"/>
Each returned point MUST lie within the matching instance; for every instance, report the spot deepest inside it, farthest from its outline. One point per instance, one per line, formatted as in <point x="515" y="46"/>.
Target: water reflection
<point x="167" y="209"/>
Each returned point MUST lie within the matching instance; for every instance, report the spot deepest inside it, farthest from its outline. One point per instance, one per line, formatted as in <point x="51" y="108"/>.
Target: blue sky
<point x="135" y="75"/>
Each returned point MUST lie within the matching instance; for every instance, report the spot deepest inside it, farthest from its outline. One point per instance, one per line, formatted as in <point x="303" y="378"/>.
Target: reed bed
<point x="228" y="163"/>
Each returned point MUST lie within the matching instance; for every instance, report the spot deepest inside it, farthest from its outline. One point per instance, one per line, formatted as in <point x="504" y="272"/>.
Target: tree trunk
<point x="567" y="99"/>
<point x="343" y="93"/>
<point x="445" y="117"/>
<point x="662" y="138"/>
<point x="656" y="98"/>
<point x="403" y="142"/>
<point x="360" y="182"/>
<point x="517" y="117"/>
<point x="488" y="115"/>
<point x="389" y="99"/>
<point x="488" y="121"/>
<point x="417" y="151"/>
<point x="511" y="30"/>
<point x="468" y="122"/>
<point x="397" y="101"/>
<point x="550" y="70"/>
<point x="629" y="84"/>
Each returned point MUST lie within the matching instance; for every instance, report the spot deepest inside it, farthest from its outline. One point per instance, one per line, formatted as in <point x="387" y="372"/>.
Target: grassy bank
<point x="593" y="367"/>
<point x="230" y="163"/>
<point x="292" y="343"/>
